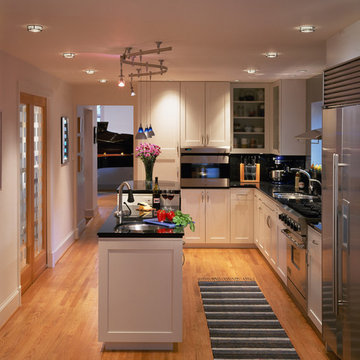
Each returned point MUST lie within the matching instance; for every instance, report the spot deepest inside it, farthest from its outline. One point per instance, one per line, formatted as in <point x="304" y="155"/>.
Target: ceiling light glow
<point x="307" y="28"/>
<point x="251" y="71"/>
<point x="271" y="54"/>
<point x="68" y="55"/>
<point x="103" y="81"/>
<point x="35" y="28"/>
<point x="90" y="71"/>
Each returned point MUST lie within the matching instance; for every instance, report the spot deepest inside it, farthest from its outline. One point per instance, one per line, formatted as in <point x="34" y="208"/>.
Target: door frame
<point x="35" y="266"/>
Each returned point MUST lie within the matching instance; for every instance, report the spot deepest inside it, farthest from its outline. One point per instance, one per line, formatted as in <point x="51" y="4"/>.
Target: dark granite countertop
<point x="111" y="229"/>
<point x="139" y="186"/>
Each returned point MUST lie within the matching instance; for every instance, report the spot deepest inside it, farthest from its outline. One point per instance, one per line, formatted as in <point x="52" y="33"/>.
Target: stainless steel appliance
<point x="341" y="210"/>
<point x="295" y="229"/>
<point x="204" y="170"/>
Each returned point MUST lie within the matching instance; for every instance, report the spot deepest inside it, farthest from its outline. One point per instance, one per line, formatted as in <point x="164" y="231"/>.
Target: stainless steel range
<point x="295" y="229"/>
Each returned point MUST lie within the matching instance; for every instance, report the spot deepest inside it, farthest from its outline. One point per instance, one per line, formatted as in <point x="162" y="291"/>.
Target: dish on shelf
<point x="258" y="129"/>
<point x="259" y="146"/>
<point x="248" y="128"/>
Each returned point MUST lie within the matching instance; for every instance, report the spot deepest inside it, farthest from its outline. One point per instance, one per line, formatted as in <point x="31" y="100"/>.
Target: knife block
<point x="249" y="177"/>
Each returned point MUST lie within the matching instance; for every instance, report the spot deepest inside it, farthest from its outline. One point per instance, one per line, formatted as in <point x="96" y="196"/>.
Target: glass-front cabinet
<point x="250" y="115"/>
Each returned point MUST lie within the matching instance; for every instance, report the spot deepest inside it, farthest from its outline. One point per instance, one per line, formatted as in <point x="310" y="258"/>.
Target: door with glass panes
<point x="32" y="187"/>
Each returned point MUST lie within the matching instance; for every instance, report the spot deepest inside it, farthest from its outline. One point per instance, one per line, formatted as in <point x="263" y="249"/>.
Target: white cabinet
<point x="159" y="103"/>
<point x="242" y="216"/>
<point x="314" y="278"/>
<point x="205" y="114"/>
<point x="210" y="209"/>
<point x="193" y="203"/>
<point x="250" y="117"/>
<point x="267" y="233"/>
<point x="140" y="293"/>
<point x="288" y="110"/>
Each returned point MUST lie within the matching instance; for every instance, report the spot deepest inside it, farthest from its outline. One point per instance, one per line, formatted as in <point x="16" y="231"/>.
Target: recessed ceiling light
<point x="103" y="81"/>
<point x="236" y="80"/>
<point x="307" y="28"/>
<point x="271" y="54"/>
<point x="69" y="55"/>
<point x="35" y="28"/>
<point x="90" y="71"/>
<point x="302" y="71"/>
<point x="250" y="71"/>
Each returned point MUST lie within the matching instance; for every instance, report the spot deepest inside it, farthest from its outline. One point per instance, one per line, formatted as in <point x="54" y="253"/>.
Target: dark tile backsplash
<point x="267" y="163"/>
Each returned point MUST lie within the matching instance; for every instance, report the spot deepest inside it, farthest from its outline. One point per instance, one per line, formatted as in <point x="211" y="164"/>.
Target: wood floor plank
<point x="58" y="316"/>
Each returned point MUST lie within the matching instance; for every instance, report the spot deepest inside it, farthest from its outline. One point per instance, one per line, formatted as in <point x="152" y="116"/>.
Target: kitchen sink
<point x="138" y="228"/>
<point x="295" y="196"/>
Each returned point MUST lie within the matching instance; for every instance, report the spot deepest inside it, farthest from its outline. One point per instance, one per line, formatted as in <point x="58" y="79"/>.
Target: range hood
<point x="315" y="134"/>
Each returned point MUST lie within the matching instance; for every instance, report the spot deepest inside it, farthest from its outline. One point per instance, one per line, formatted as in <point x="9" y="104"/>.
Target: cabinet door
<point x="193" y="203"/>
<point x="258" y="221"/>
<point x="218" y="216"/>
<point x="288" y="101"/>
<point x="314" y="278"/>
<point x="192" y="114"/>
<point x="242" y="216"/>
<point x="217" y="114"/>
<point x="162" y="109"/>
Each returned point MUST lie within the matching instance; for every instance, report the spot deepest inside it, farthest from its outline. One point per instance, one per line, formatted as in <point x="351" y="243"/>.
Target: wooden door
<point x="33" y="249"/>
<point x="218" y="216"/>
<point x="192" y="114"/>
<point x="193" y="203"/>
<point x="217" y="114"/>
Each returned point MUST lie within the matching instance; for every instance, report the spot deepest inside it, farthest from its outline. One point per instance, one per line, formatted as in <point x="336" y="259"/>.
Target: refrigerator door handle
<point x="335" y="184"/>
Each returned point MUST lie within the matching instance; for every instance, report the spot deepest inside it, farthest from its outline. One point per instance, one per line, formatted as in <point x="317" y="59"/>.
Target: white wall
<point x="344" y="45"/>
<point x="17" y="76"/>
<point x="120" y="118"/>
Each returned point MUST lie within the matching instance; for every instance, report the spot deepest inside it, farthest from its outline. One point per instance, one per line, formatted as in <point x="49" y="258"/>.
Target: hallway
<point x="58" y="316"/>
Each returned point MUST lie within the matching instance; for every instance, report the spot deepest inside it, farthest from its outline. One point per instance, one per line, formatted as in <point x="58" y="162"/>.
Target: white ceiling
<point x="211" y="39"/>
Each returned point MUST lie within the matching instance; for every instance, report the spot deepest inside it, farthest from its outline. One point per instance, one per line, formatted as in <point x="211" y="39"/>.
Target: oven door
<point x="205" y="171"/>
<point x="296" y="268"/>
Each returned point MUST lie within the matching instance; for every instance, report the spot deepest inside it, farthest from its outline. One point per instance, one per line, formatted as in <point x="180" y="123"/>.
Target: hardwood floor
<point x="58" y="316"/>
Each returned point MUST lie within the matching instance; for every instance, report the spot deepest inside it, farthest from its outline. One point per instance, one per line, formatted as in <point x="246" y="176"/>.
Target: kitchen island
<point x="140" y="285"/>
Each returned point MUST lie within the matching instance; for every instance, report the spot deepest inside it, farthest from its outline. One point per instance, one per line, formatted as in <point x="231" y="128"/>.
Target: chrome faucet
<point x="119" y="211"/>
<point x="311" y="187"/>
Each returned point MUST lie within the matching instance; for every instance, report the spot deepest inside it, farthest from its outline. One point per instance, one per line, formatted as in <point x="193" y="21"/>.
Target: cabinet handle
<point x="207" y="139"/>
<point x="202" y="196"/>
<point x="315" y="242"/>
<point x="202" y="139"/>
<point x="177" y="149"/>
<point x="207" y="197"/>
<point x="268" y="221"/>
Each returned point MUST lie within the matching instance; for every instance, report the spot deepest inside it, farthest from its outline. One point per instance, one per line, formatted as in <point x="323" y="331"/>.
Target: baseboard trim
<point x="80" y="228"/>
<point x="9" y="306"/>
<point x="218" y="246"/>
<point x="60" y="250"/>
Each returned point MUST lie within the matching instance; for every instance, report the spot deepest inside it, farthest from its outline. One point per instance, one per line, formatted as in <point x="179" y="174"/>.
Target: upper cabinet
<point x="159" y="104"/>
<point x="250" y="117"/>
<point x="205" y="114"/>
<point x="288" y="110"/>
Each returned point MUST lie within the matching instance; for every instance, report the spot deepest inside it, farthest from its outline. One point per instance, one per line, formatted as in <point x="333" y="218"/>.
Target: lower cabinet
<point x="242" y="216"/>
<point x="140" y="293"/>
<point x="314" y="278"/>
<point x="267" y="233"/>
<point x="210" y="209"/>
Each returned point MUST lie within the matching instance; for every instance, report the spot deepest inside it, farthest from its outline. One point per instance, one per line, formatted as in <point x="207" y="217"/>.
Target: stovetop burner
<point x="305" y="208"/>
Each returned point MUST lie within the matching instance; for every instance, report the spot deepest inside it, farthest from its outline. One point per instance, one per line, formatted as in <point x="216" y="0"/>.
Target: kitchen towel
<point x="241" y="322"/>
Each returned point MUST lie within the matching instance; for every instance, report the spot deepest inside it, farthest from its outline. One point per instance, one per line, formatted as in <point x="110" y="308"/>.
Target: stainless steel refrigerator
<point x="341" y="210"/>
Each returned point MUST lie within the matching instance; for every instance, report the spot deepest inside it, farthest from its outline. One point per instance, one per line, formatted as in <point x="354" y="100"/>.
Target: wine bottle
<point x="156" y="195"/>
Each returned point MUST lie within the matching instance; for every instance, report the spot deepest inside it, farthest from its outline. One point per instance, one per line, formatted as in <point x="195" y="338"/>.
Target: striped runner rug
<point x="241" y="322"/>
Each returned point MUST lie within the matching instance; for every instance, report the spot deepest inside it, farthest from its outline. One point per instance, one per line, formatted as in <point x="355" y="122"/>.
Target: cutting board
<point x="156" y="222"/>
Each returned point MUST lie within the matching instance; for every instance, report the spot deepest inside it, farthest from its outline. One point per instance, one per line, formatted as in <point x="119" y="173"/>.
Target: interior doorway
<point x="33" y="241"/>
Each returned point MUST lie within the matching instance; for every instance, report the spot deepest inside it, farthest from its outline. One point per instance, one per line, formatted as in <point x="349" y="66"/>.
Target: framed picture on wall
<point x="95" y="134"/>
<point x="64" y="139"/>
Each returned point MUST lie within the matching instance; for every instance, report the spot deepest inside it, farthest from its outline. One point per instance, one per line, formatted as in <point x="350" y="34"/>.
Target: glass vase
<point x="149" y="166"/>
